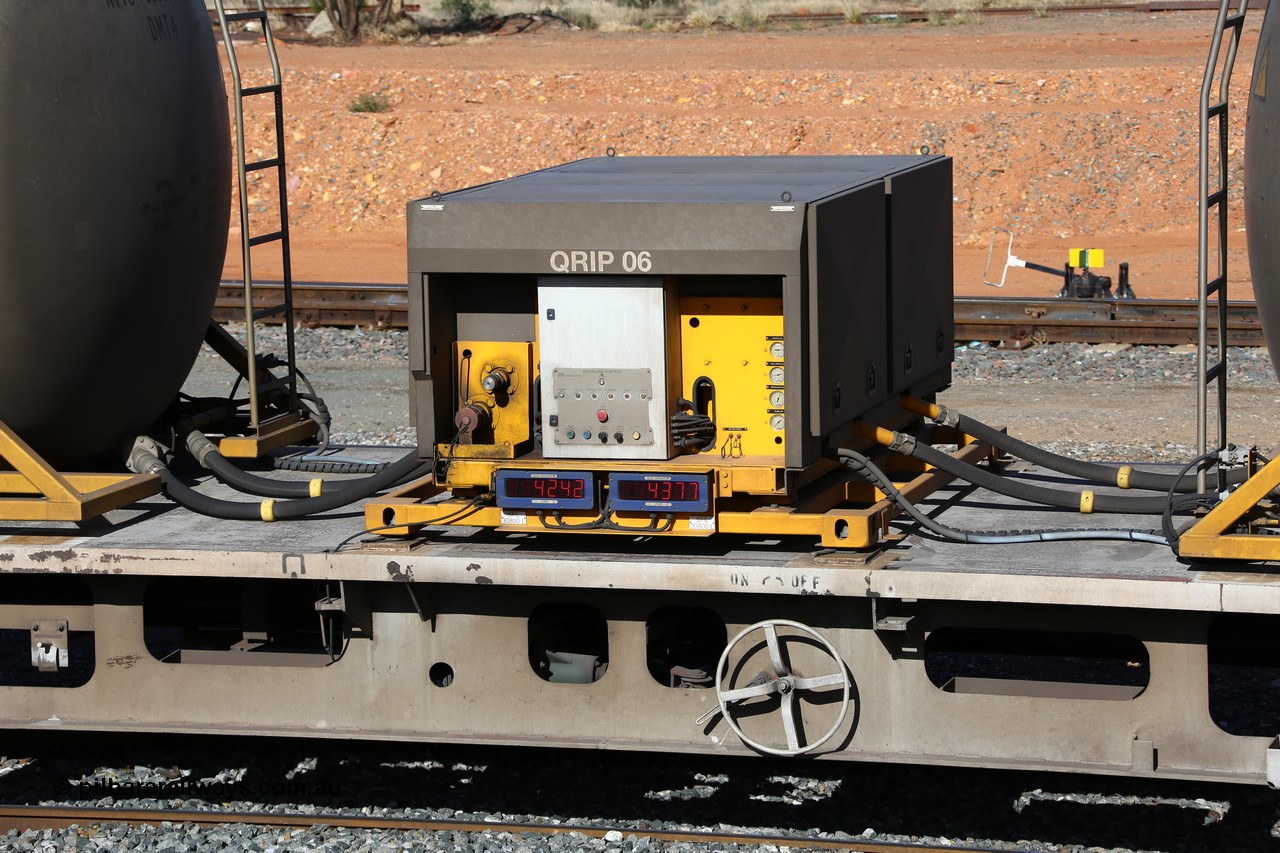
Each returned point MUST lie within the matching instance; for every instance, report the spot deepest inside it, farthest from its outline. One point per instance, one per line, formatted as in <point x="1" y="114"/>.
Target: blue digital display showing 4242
<point x="546" y="490"/>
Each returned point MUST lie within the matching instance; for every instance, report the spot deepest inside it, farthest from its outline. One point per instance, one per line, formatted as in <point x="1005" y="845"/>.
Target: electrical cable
<point x="695" y="431"/>
<point x="652" y="527"/>
<point x="865" y="468"/>
<point x="474" y="504"/>
<point x="1166" y="518"/>
<point x="561" y="524"/>
<point x="448" y="456"/>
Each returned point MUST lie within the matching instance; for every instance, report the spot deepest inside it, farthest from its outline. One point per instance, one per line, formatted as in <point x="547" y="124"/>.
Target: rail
<point x="1013" y="322"/>
<point x="22" y="818"/>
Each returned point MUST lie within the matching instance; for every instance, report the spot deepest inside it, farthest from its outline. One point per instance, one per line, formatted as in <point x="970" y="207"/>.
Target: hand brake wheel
<point x="783" y="681"/>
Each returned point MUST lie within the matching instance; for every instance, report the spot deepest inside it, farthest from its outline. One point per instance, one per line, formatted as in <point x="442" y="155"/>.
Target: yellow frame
<point x="34" y="491"/>
<point x="1210" y="537"/>
<point x="280" y="431"/>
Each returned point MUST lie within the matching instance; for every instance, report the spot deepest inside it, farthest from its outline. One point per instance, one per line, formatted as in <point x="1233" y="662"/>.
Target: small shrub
<point x="747" y="18"/>
<point x="579" y="18"/>
<point x="370" y="102"/>
<point x="700" y="19"/>
<point x="648" y="4"/>
<point x="855" y="11"/>
<point x="465" y="13"/>
<point x="958" y="18"/>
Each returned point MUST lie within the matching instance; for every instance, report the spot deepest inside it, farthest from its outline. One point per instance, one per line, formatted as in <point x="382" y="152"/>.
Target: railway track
<point x="903" y="14"/>
<point x="1011" y="322"/>
<point x="39" y="818"/>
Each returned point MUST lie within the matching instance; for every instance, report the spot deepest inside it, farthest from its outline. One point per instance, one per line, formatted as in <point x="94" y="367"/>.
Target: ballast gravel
<point x="1104" y="402"/>
<point x="632" y="797"/>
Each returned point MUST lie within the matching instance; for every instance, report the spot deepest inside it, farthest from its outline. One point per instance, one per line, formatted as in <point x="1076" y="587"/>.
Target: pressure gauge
<point x="778" y="422"/>
<point x="776" y="349"/>
<point x="777" y="399"/>
<point x="776" y="375"/>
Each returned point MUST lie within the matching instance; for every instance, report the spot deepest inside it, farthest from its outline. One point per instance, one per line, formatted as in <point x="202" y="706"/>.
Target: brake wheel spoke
<point x="749" y="691"/>
<point x="783" y="682"/>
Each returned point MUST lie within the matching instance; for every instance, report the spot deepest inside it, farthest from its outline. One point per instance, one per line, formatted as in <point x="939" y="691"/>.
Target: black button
<point x="617" y="436"/>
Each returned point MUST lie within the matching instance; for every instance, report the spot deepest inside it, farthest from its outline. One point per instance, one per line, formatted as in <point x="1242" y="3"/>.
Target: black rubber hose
<point x="1093" y="471"/>
<point x="1029" y="492"/>
<point x="206" y="453"/>
<point x="867" y="469"/>
<point x="1166" y="522"/>
<point x="271" y="510"/>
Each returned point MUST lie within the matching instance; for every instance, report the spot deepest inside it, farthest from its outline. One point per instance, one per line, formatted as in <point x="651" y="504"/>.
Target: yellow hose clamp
<point x="267" y="510"/>
<point x="1086" y="501"/>
<point x="315" y="487"/>
<point x="1122" y="476"/>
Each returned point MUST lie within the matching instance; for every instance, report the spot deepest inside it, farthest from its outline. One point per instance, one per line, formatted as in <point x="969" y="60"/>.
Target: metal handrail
<point x="247" y="239"/>
<point x="1228" y="21"/>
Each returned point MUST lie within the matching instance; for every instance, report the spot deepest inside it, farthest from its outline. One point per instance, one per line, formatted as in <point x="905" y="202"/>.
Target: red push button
<point x="602" y="416"/>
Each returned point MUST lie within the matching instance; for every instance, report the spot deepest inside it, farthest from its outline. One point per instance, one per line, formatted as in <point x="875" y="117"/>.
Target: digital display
<point x="659" y="492"/>
<point x="544" y="487"/>
<point x="546" y="490"/>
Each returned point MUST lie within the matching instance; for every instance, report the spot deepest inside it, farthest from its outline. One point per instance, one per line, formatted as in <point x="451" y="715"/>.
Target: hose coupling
<point x="144" y="456"/>
<point x="199" y="446"/>
<point x="903" y="443"/>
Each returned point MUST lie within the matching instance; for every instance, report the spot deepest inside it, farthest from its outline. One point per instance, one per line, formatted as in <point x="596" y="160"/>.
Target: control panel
<point x="605" y="368"/>
<point x="604" y="406"/>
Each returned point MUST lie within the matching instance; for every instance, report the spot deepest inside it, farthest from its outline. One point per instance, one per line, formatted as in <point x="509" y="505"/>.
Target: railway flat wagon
<point x="681" y="483"/>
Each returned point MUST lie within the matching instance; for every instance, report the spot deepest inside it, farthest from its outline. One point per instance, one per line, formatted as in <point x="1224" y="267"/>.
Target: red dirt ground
<point x="1071" y="130"/>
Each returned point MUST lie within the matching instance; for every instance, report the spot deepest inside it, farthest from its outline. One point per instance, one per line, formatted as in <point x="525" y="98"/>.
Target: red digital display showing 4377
<point x="659" y="492"/>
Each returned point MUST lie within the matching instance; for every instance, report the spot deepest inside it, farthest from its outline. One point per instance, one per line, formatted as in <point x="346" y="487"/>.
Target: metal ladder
<point x="271" y="424"/>
<point x="1212" y="294"/>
